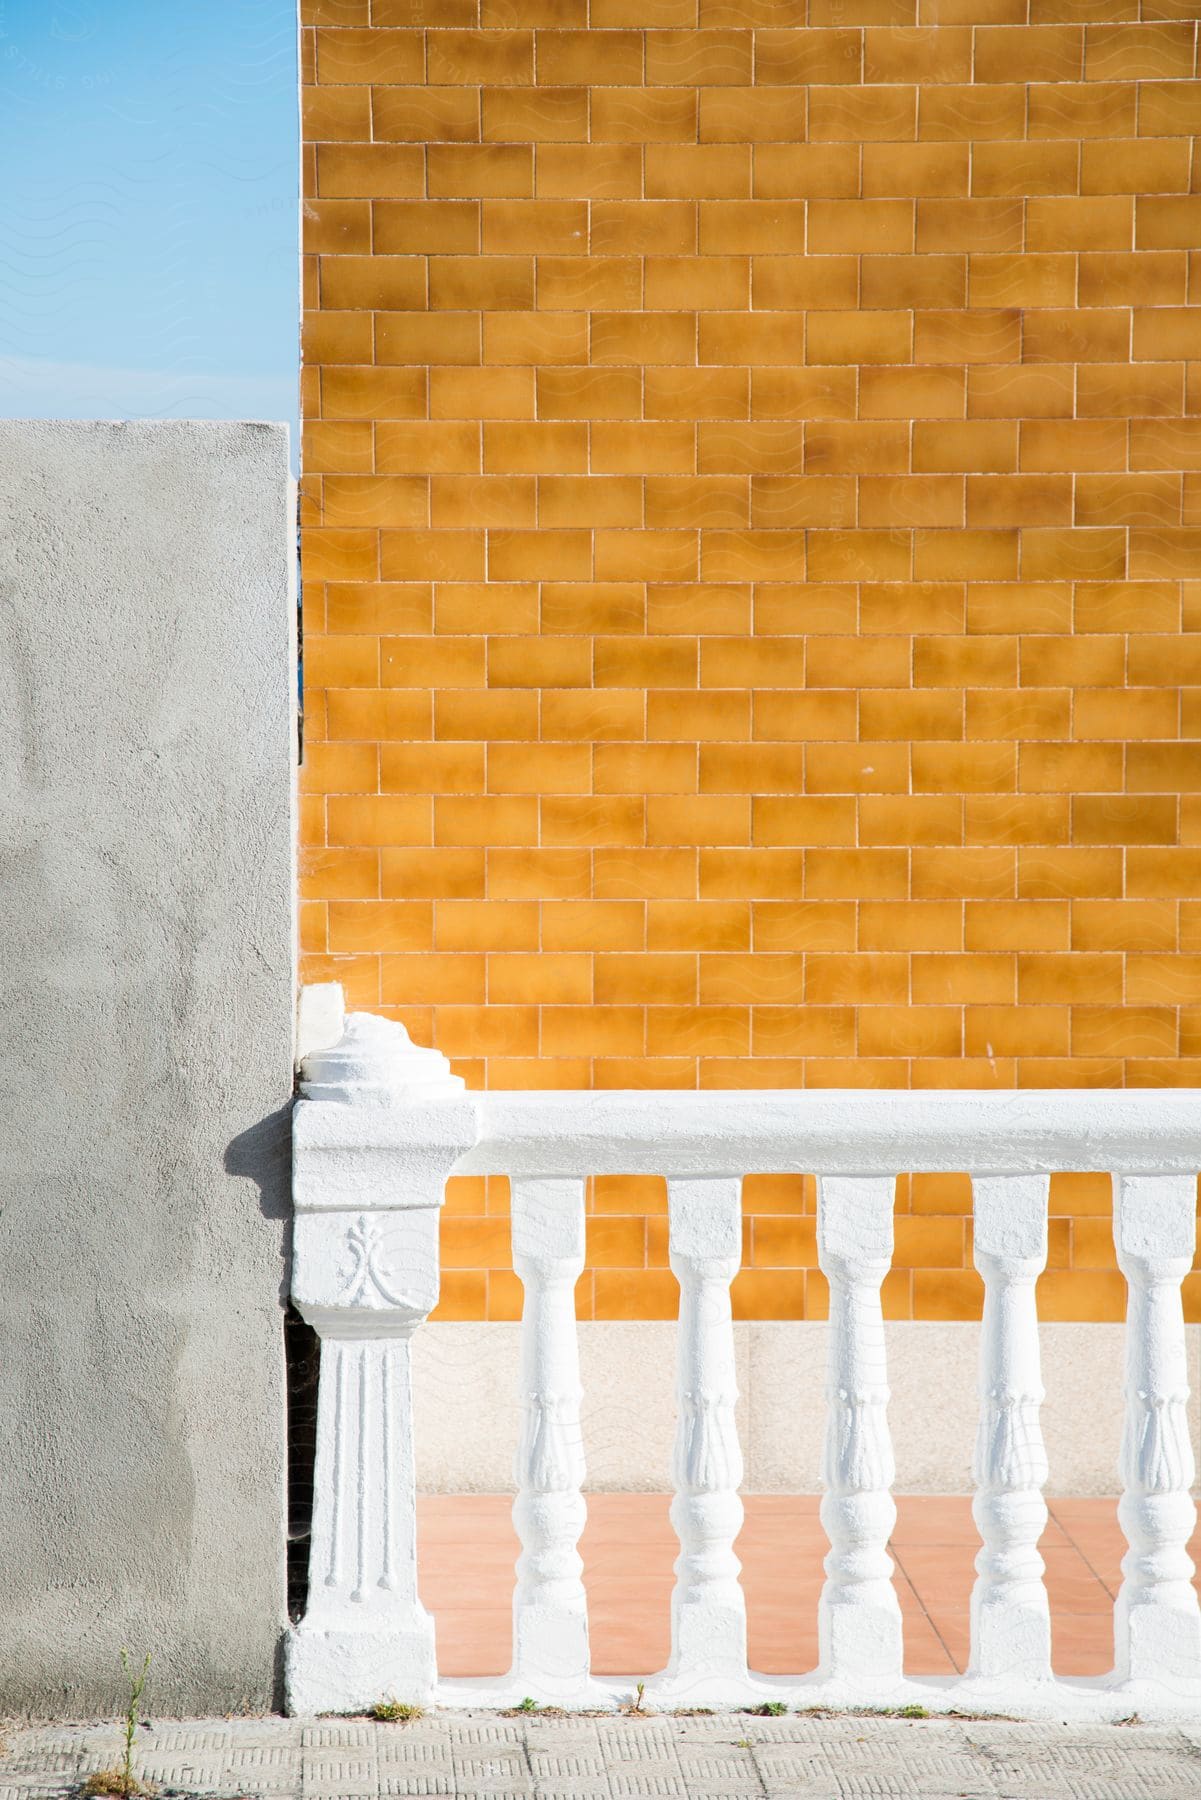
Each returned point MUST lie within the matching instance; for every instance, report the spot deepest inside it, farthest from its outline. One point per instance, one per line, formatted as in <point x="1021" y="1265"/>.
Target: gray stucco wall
<point x="146" y="976"/>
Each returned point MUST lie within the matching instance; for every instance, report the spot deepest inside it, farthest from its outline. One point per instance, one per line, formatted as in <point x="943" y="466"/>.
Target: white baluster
<point x="1157" y="1622"/>
<point x="859" y="1616"/>
<point x="1011" y="1621"/>
<point x="708" y="1608"/>
<point x="375" y="1135"/>
<point x="550" y="1615"/>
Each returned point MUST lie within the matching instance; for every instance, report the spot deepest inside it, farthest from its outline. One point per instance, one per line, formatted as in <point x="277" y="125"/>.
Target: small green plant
<point x="395" y="1712"/>
<point x="135" y="1683"/>
<point x="122" y="1781"/>
<point x="768" y="1709"/>
<point x="529" y="1706"/>
<point x="637" y="1707"/>
<point x="912" y="1712"/>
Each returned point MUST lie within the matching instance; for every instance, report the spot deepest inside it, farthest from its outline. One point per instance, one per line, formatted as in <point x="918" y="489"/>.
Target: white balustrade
<point x="1157" y="1623"/>
<point x="550" y="1613"/>
<point x="859" y="1616"/>
<point x="381" y="1125"/>
<point x="1011" y="1619"/>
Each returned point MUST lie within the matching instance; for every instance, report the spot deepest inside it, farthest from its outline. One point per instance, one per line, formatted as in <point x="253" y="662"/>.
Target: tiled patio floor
<point x="467" y="1549"/>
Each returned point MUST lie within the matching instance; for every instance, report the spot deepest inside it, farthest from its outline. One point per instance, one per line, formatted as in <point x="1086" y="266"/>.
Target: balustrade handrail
<point x="834" y="1131"/>
<point x="380" y="1127"/>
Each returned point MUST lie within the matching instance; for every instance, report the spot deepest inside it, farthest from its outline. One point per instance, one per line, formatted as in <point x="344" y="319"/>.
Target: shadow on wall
<point x="263" y="1153"/>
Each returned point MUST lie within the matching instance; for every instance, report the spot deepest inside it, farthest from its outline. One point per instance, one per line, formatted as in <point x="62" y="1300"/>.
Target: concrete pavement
<point x="480" y="1756"/>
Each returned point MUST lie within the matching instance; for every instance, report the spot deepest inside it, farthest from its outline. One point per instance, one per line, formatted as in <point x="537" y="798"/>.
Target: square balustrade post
<point x="377" y="1131"/>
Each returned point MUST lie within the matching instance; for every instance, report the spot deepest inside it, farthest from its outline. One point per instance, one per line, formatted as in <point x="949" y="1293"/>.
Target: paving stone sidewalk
<point x="723" y="1757"/>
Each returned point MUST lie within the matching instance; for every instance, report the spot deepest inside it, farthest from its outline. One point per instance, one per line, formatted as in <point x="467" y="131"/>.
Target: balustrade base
<point x="1094" y="1700"/>
<point x="550" y="1651"/>
<point x="331" y="1671"/>
<point x="860" y="1639"/>
<point x="1159" y="1642"/>
<point x="1011" y="1643"/>
<point x="504" y="1693"/>
<point x="708" y="1688"/>
<point x="1084" y="1699"/>
<point x="708" y="1659"/>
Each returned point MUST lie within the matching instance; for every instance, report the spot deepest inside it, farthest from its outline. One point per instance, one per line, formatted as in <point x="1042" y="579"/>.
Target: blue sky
<point x="148" y="232"/>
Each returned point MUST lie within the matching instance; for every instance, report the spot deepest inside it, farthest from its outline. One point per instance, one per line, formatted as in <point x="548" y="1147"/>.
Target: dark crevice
<point x="302" y="1353"/>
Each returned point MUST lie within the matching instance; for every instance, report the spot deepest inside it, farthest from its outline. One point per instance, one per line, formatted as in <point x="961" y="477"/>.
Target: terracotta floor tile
<point x="467" y="1548"/>
<point x="942" y="1573"/>
<point x="1099" y="1524"/>
<point x="1082" y="1643"/>
<point x="951" y="1629"/>
<point x="934" y="1519"/>
<point x="1092" y="1526"/>
<point x="1088" y="1513"/>
<point x="925" y="1651"/>
<point x="1072" y="1586"/>
<point x="947" y="1519"/>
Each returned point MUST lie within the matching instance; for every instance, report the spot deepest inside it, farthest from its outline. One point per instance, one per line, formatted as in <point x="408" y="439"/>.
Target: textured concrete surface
<point x="472" y="1755"/>
<point x="466" y="1385"/>
<point x="146" y="773"/>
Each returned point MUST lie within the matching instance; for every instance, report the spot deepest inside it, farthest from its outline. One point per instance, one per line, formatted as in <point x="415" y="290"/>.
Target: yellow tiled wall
<point x="752" y="559"/>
